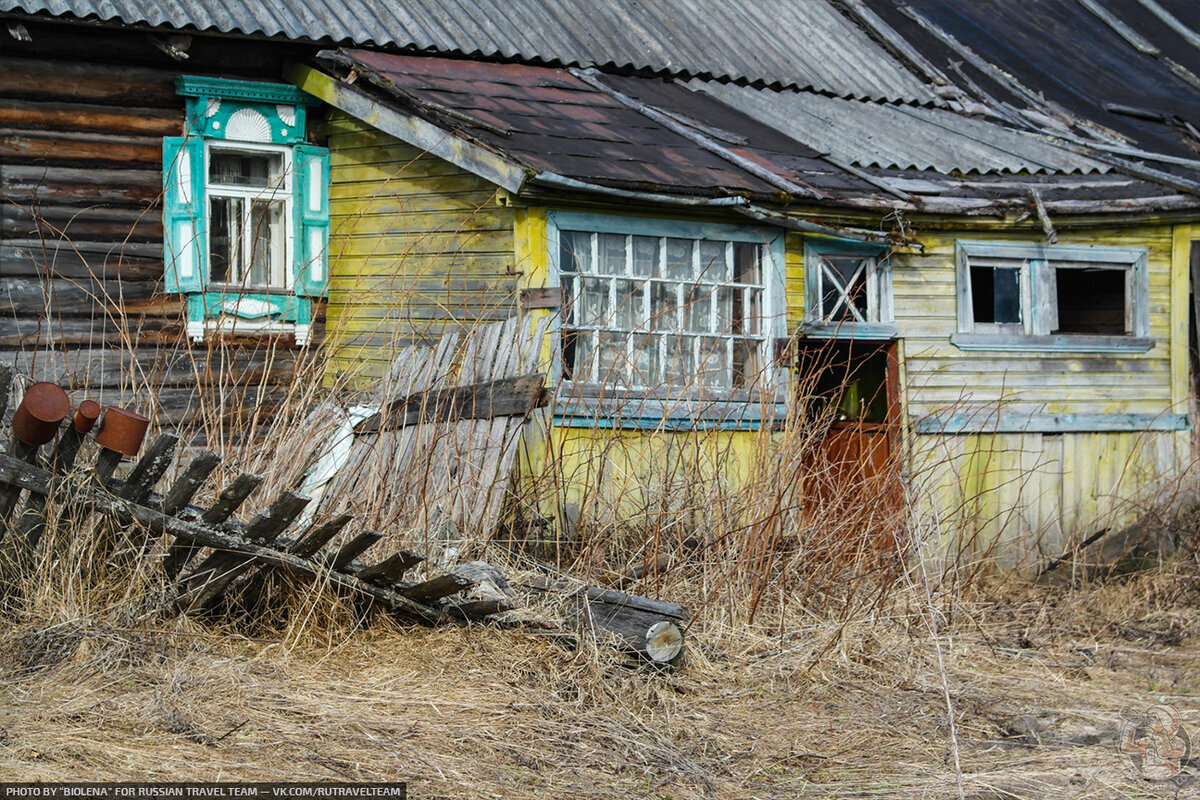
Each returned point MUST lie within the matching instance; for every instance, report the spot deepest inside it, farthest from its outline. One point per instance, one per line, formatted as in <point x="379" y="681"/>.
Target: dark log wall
<point x="83" y="111"/>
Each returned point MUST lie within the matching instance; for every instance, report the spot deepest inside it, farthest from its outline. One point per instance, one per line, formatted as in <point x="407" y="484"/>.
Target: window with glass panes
<point x="245" y="209"/>
<point x="649" y="312"/>
<point x="249" y="216"/>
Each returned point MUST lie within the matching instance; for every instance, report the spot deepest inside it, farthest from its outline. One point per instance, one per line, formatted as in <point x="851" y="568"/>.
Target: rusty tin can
<point x="86" y="416"/>
<point x="41" y="411"/>
<point x="122" y="430"/>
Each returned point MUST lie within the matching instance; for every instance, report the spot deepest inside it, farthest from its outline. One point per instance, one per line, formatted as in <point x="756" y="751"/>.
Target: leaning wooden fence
<point x="209" y="551"/>
<point x="480" y="399"/>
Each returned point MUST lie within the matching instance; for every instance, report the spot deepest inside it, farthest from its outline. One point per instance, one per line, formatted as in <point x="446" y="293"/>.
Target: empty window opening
<point x="1092" y="301"/>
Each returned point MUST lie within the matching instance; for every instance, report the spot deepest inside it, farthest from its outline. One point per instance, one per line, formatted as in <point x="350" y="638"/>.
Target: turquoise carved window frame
<point x="254" y="121"/>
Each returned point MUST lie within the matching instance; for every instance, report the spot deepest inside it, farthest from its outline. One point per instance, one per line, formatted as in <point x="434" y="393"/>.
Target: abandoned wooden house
<point x="997" y="314"/>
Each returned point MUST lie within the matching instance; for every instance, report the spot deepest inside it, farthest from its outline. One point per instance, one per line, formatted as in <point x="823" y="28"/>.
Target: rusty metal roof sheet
<point x="807" y="43"/>
<point x="553" y="121"/>
<point x="900" y="137"/>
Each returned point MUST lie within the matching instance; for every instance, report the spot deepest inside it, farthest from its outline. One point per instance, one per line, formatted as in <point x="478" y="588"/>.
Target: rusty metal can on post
<point x="86" y="416"/>
<point x="42" y="410"/>
<point x="122" y="431"/>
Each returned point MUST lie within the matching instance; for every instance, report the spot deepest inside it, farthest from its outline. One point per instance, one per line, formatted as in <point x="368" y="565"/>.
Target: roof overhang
<point x="410" y="129"/>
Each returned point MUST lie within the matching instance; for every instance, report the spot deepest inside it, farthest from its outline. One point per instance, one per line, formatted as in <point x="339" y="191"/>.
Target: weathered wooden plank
<point x="449" y="244"/>
<point x="152" y="466"/>
<point x="541" y="298"/>
<point x="18" y="114"/>
<point x="660" y="607"/>
<point x="19" y="474"/>
<point x="230" y="498"/>
<point x="133" y="190"/>
<point x="101" y="369"/>
<point x="208" y="582"/>
<point x="106" y="464"/>
<point x="83" y="260"/>
<point x="318" y="536"/>
<point x="70" y="222"/>
<point x="372" y="219"/>
<point x="203" y="536"/>
<point x="86" y="81"/>
<point x="10" y="494"/>
<point x="389" y="571"/>
<point x="477" y="609"/>
<point x="436" y="588"/>
<point x="353" y="548"/>
<point x="497" y="398"/>
<point x="6" y="374"/>
<point x="63" y="147"/>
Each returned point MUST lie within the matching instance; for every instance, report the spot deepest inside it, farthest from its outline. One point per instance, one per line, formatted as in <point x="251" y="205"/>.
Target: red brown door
<point x="853" y="487"/>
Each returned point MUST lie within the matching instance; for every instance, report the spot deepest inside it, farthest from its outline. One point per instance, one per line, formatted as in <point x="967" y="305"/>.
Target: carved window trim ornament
<point x="1038" y="277"/>
<point x="703" y="360"/>
<point x="245" y="209"/>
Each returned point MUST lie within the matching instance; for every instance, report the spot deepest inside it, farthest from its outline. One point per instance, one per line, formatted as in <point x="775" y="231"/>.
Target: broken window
<point x="1052" y="291"/>
<point x="848" y="287"/>
<point x="653" y="312"/>
<point x="1091" y="300"/>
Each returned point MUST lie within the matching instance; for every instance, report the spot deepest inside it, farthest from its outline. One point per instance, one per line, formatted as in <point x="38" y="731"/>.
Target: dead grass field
<point x="1037" y="678"/>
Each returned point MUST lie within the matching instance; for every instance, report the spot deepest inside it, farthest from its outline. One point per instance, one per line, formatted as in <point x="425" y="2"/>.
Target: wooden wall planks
<point x="82" y="116"/>
<point x="419" y="247"/>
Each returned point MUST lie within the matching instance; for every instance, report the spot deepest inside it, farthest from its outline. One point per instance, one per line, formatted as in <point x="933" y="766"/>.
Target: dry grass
<point x="817" y="667"/>
<point x="821" y="708"/>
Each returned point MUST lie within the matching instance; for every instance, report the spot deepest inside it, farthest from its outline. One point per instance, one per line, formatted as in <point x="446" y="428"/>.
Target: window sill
<point x="1060" y="343"/>
<point x="871" y="331"/>
<point x="591" y="407"/>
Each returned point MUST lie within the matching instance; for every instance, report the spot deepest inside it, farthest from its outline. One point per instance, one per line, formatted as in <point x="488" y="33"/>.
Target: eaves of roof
<point x="806" y="43"/>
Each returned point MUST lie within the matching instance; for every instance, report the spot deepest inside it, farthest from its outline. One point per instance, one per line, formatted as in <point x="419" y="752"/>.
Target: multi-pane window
<point x="249" y="217"/>
<point x="848" y="287"/>
<point x="648" y="312"/>
<point x="1052" y="290"/>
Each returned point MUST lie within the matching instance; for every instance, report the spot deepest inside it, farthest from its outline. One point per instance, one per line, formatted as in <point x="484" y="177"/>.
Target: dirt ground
<point x="1037" y="679"/>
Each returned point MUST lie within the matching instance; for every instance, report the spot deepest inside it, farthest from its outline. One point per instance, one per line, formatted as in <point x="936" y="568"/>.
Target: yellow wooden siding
<point x="635" y="478"/>
<point x="417" y="245"/>
<point x="794" y="279"/>
<point x="1024" y="497"/>
<point x="1021" y="498"/>
<point x="944" y="378"/>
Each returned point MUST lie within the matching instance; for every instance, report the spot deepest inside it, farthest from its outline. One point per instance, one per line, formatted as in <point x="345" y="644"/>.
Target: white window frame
<point x="281" y="193"/>
<point x="686" y="402"/>
<point x="874" y="267"/>
<point x="1039" y="300"/>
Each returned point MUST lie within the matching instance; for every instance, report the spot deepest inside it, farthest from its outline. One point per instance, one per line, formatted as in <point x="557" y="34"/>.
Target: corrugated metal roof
<point x="899" y="137"/>
<point x="1130" y="66"/>
<point x="806" y="43"/>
